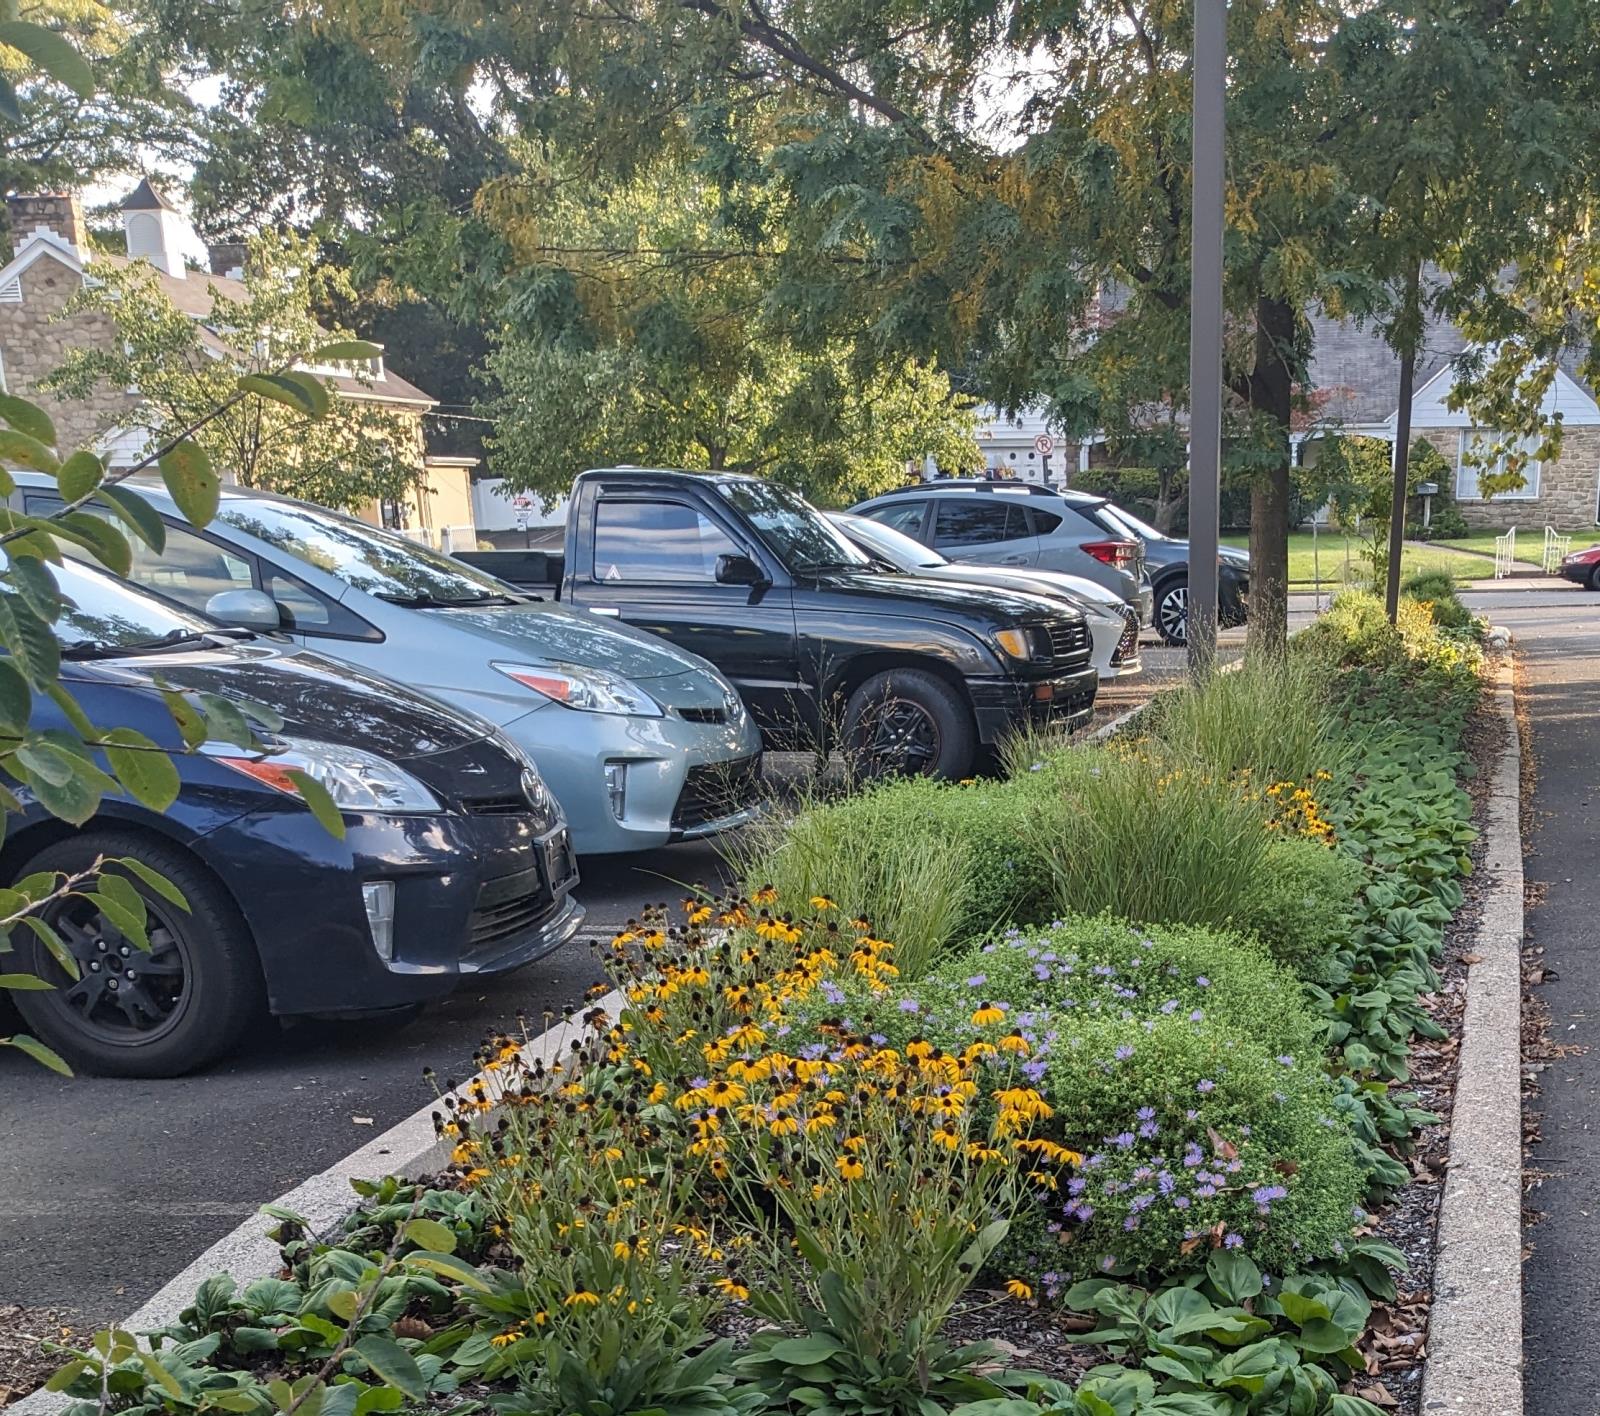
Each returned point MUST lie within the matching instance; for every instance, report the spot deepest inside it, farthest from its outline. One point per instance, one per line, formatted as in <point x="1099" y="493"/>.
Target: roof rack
<point x="1010" y="486"/>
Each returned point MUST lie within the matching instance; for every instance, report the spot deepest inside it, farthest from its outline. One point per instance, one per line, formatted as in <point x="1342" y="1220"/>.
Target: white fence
<point x="444" y="538"/>
<point x="1505" y="553"/>
<point x="1556" y="548"/>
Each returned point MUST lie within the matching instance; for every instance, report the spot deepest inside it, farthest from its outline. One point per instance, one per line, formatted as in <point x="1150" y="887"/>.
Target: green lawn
<point x="1337" y="559"/>
<point x="1530" y="542"/>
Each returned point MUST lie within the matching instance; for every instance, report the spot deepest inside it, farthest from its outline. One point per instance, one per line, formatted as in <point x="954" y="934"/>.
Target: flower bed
<point x="820" y="1144"/>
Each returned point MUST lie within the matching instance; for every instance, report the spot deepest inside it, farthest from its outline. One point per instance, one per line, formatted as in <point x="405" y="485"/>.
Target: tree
<point x="183" y="367"/>
<point x="637" y="333"/>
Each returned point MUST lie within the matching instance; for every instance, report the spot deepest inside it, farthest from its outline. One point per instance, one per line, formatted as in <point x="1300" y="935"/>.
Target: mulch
<point x="23" y="1332"/>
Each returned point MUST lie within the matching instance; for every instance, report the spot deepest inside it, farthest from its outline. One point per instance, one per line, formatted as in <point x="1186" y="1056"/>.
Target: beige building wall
<point x="1569" y="486"/>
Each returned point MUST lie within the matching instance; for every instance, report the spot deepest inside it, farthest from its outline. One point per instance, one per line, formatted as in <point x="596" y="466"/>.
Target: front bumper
<point x="473" y="895"/>
<point x="1004" y="706"/>
<point x="658" y="763"/>
<point x="1578" y="572"/>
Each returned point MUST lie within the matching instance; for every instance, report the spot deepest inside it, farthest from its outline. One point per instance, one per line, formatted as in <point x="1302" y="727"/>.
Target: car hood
<point x="545" y="632"/>
<point x="1031" y="582"/>
<point x="316" y="697"/>
<point x="1232" y="555"/>
<point x="884" y="593"/>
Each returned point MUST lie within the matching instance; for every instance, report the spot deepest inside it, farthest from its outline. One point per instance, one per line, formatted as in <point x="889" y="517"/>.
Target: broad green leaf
<point x="34" y="647"/>
<point x="1321" y="1336"/>
<point x="140" y="517"/>
<point x="63" y="1377"/>
<point x="241" y="1401"/>
<point x="301" y="392"/>
<point x="25" y="983"/>
<point x="125" y="921"/>
<point x="160" y="1375"/>
<point x="450" y="1267"/>
<point x="53" y="942"/>
<point x="52" y="53"/>
<point x="189" y="720"/>
<point x="342" y="1303"/>
<point x="39" y="1052"/>
<point x="150" y="776"/>
<point x="45" y="764"/>
<point x="109" y="546"/>
<point x="154" y="879"/>
<point x="21" y="450"/>
<point x="431" y="1235"/>
<point x="391" y="1362"/>
<point x="346" y="351"/>
<point x="187" y="471"/>
<point x="79" y="475"/>
<point x="33" y="580"/>
<point x="27" y="418"/>
<point x="1235" y="1276"/>
<point x="72" y="710"/>
<point x="805" y="1351"/>
<point x="224" y="721"/>
<point x="16" y="699"/>
<point x="317" y="797"/>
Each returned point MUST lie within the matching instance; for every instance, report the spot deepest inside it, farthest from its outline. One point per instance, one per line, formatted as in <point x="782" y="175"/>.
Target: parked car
<point x="908" y="675"/>
<point x="1583" y="567"/>
<point x="1019" y="524"/>
<point x="641" y="741"/>
<point x="1167" y="564"/>
<point x="1113" y="624"/>
<point x="455" y="862"/>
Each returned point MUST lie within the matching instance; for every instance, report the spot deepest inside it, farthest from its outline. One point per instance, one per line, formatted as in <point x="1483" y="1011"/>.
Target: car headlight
<point x="1021" y="644"/>
<point x="356" y="780"/>
<point x="588" y="689"/>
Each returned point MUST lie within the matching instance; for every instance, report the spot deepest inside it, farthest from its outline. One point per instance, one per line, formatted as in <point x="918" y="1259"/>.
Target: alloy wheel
<point x="1172" y="614"/>
<point x="124" y="995"/>
<point x="900" y="738"/>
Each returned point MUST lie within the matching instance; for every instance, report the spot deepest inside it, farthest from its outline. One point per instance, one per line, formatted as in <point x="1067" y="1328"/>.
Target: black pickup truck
<point x="825" y="646"/>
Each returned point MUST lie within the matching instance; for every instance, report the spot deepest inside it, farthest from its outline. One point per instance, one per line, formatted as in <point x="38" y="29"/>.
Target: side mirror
<point x="245" y="609"/>
<point x="739" y="570"/>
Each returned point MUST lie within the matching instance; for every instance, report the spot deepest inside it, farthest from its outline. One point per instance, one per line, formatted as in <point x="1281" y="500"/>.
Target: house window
<point x="1467" y="473"/>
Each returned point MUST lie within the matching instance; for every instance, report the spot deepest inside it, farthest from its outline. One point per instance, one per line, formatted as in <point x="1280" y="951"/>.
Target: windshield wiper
<point x="101" y="649"/>
<point x="437" y="602"/>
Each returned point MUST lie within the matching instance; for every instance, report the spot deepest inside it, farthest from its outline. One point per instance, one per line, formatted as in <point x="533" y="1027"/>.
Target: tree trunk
<point x="1272" y="400"/>
<point x="1407" y="333"/>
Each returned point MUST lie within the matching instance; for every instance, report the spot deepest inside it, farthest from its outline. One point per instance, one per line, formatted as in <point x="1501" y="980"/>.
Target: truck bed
<point x="539" y="571"/>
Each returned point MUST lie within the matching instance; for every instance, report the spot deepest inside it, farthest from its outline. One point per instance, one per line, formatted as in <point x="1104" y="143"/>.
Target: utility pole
<point x="1205" y="333"/>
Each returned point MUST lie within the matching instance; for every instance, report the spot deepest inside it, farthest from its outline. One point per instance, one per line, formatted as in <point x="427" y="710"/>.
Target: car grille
<point x="1069" y="642"/>
<point x="508" y="906"/>
<point x="703" y="715"/>
<point x="513" y="805"/>
<point x="716" y="789"/>
<point x="1128" y="646"/>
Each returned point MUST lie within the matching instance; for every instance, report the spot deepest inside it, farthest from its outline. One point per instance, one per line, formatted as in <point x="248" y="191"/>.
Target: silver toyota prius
<point x="642" y="742"/>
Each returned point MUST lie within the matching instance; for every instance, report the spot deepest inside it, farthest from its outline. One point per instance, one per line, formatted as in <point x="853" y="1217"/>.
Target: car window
<point x="377" y="562"/>
<point x="977" y="522"/>
<point x="654" y="542"/>
<point x="104" y="610"/>
<point x="793" y="530"/>
<point x="904" y="516"/>
<point x="1044" y="522"/>
<point x="310" y="611"/>
<point x="190" y="569"/>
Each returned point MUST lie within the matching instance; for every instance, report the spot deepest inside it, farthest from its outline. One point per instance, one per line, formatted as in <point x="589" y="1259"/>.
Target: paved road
<point x="111" y="1186"/>
<point x="1559" y="647"/>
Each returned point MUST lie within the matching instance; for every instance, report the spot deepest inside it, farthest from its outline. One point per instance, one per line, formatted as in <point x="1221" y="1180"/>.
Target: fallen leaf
<point x="362" y="1120"/>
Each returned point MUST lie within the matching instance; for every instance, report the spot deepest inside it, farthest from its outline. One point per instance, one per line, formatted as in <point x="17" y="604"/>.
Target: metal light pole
<point x="1205" y="334"/>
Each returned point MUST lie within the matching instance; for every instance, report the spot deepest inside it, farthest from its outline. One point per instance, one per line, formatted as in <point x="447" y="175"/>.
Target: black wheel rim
<point x="899" y="737"/>
<point x="124" y="996"/>
<point x="1173" y="614"/>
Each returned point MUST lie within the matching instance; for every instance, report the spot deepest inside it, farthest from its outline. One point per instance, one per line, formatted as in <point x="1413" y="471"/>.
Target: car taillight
<point x="1121" y="554"/>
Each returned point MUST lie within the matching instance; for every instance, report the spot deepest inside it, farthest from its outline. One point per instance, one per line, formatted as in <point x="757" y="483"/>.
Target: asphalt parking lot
<point x="111" y="1186"/>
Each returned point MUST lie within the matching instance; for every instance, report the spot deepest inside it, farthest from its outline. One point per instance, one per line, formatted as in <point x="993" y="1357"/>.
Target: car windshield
<point x="794" y="530"/>
<point x="110" y="612"/>
<point x="1130" y="523"/>
<point x="377" y="562"/>
<point x="893" y="546"/>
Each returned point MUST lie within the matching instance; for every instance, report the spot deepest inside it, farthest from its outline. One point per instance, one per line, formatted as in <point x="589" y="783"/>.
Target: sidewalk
<point x="1560" y="661"/>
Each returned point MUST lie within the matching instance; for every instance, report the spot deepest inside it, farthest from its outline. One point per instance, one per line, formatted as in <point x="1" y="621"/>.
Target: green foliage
<point x="1299" y="906"/>
<point x="274" y="425"/>
<point x="1437" y="591"/>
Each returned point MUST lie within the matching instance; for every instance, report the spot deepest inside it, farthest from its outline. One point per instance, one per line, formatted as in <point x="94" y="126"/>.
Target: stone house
<point x="52" y="257"/>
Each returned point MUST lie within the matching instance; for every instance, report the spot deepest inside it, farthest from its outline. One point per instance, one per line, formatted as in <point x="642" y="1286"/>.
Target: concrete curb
<point x="1475" y="1327"/>
<point x="409" y="1148"/>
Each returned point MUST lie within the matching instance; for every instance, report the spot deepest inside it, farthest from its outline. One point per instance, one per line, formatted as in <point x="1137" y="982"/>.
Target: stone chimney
<point x="228" y="258"/>
<point x="60" y="213"/>
<point x="154" y="229"/>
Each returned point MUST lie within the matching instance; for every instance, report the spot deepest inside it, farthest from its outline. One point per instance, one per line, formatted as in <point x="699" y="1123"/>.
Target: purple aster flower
<point x="909" y="1005"/>
<point x="1170" y="1006"/>
<point x="1131" y="1223"/>
<point x="1123" y="1140"/>
<point x="1167" y="1181"/>
<point x="877" y="1039"/>
<point x="1041" y="972"/>
<point x="1203" y="982"/>
<point x="1197" y="1016"/>
<point x="1180" y="1202"/>
<point x="1285" y="1060"/>
<point x="1204" y="1085"/>
<point x="1206" y="1192"/>
<point x="1034" y="1071"/>
<point x="977" y="980"/>
<point x="1077" y="1185"/>
<point x="1124" y="1052"/>
<point x="1148" y="1130"/>
<point x="833" y="993"/>
<point x="1233" y="1241"/>
<point x="1108" y="1262"/>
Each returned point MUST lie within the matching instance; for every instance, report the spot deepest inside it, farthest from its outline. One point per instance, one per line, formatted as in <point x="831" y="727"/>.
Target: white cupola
<point x="154" y="228"/>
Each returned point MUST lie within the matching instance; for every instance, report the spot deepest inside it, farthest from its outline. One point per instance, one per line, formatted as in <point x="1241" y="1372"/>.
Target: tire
<point x="1594" y="577"/>
<point x="193" y="994"/>
<point x="909" y="723"/>
<point x="1171" y="615"/>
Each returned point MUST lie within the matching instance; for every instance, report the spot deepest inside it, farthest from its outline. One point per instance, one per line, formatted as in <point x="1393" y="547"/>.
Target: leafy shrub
<point x="1106" y="966"/>
<point x="1437" y="590"/>
<point x="1299" y="904"/>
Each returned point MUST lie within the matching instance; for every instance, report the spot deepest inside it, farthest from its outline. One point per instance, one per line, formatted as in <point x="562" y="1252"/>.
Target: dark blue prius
<point x="455" y="859"/>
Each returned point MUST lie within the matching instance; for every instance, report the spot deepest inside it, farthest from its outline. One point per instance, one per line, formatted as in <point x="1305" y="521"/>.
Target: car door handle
<point x="609" y="611"/>
<point x="1013" y="560"/>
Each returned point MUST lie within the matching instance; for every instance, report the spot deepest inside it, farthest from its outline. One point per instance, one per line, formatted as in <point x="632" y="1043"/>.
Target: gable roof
<point x="144" y="197"/>
<point x="195" y="295"/>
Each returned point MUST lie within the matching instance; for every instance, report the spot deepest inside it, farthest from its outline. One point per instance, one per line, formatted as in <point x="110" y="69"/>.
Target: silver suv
<point x="1018" y="524"/>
